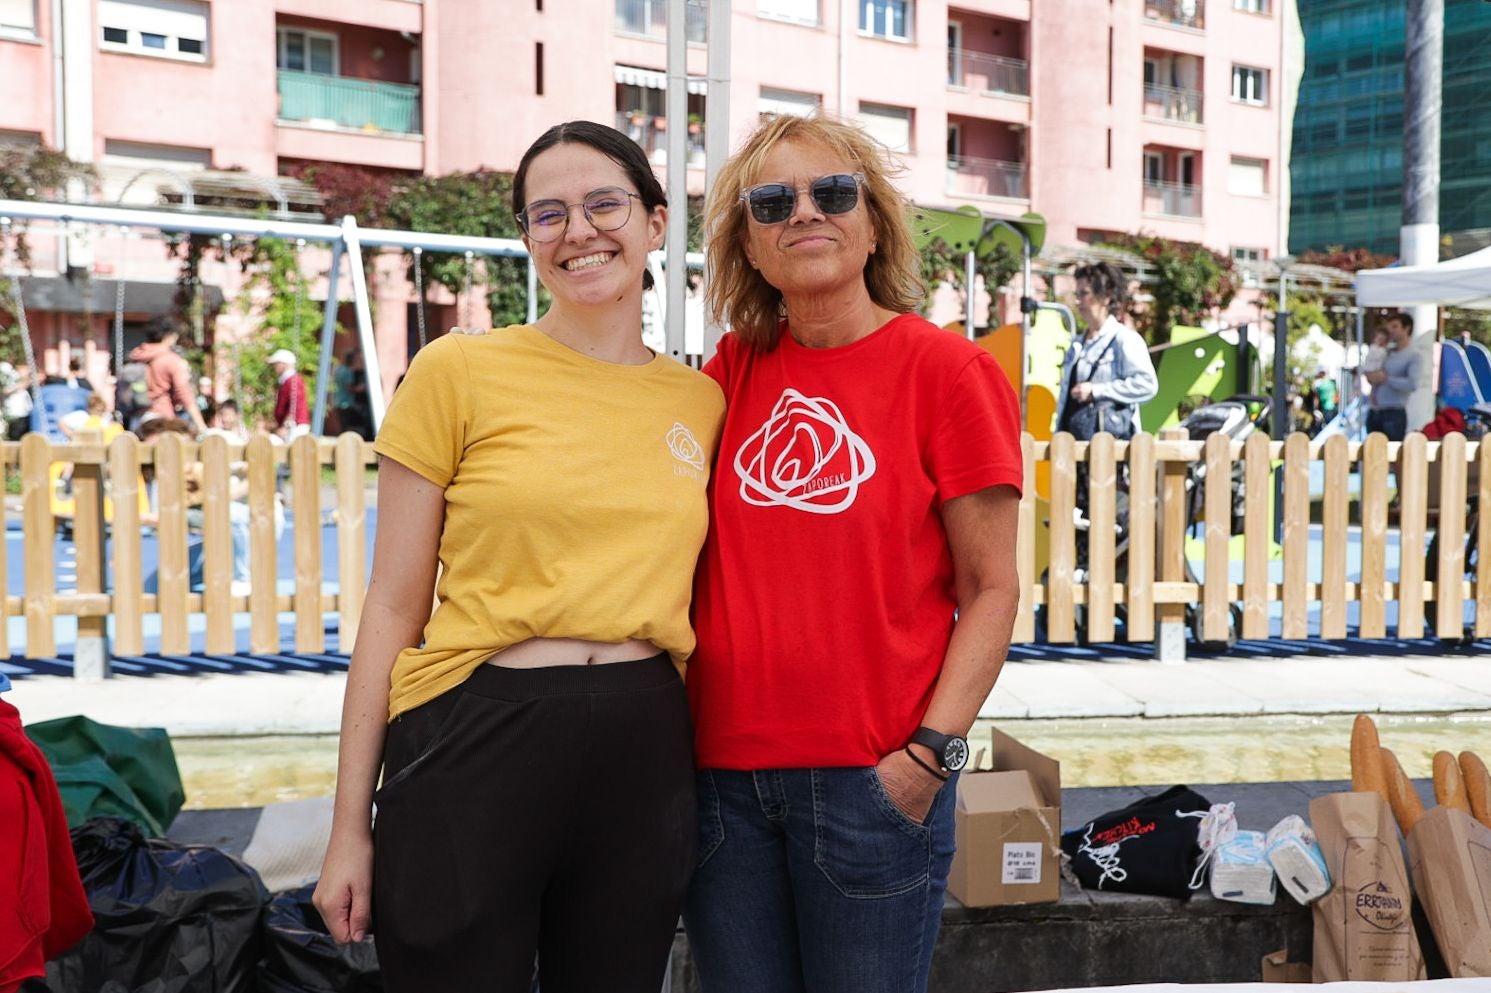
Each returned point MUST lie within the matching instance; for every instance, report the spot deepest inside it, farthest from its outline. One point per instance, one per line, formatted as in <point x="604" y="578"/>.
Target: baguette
<point x="1449" y="786"/>
<point x="1401" y="796"/>
<point x="1477" y="786"/>
<point x="1366" y="759"/>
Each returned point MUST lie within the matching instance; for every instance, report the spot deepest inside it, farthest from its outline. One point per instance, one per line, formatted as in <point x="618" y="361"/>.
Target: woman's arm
<point x="981" y="530"/>
<point x="411" y="511"/>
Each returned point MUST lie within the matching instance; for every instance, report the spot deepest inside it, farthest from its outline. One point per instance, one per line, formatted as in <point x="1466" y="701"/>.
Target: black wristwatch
<point x="951" y="750"/>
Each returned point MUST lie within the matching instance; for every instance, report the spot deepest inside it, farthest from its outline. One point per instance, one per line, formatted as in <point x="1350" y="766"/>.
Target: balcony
<point x="1172" y="199"/>
<point x="649" y="18"/>
<point x="1181" y="13"/>
<point x="971" y="177"/>
<point x="652" y="134"/>
<point x="993" y="74"/>
<point x="1172" y="103"/>
<point x="339" y="102"/>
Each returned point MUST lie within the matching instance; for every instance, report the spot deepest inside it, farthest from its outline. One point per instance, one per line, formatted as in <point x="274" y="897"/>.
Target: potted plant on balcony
<point x="636" y="118"/>
<point x="696" y="124"/>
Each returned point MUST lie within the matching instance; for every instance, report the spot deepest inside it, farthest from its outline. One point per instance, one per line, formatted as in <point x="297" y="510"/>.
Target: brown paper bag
<point x="1363" y="926"/>
<point x="1278" y="969"/>
<point x="1450" y="855"/>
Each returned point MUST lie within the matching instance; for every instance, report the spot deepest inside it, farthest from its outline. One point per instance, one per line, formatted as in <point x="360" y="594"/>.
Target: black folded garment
<point x="1150" y="846"/>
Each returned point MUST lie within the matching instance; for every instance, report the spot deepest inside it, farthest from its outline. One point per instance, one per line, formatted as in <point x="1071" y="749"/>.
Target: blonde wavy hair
<point x="738" y="296"/>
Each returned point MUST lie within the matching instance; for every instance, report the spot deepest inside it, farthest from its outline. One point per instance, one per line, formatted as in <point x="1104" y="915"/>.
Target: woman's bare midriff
<point x="536" y="653"/>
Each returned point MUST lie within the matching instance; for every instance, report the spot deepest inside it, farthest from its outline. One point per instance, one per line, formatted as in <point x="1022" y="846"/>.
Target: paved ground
<point x="300" y="694"/>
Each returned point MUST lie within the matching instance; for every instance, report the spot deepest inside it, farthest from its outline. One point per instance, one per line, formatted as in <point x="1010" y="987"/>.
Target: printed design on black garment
<point x="1103" y="849"/>
<point x="805" y="457"/>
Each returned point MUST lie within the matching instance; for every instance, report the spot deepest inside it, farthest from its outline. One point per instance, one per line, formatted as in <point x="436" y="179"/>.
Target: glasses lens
<point x="836" y="194"/>
<point x="608" y="209"/>
<point x="544" y="220"/>
<point x="772" y="203"/>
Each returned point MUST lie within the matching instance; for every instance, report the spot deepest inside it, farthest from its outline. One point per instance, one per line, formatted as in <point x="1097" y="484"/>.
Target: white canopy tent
<point x="1461" y="282"/>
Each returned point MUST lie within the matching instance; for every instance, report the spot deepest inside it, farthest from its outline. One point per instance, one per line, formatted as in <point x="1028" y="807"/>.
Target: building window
<point x="18" y="18"/>
<point x="1247" y="177"/>
<point x="1250" y="85"/>
<point x="774" y="102"/>
<point x="1251" y="6"/>
<point x="1248" y="256"/>
<point x="308" y="51"/>
<point x="174" y="29"/>
<point x="891" y="126"/>
<point x="797" y="11"/>
<point x="886" y="18"/>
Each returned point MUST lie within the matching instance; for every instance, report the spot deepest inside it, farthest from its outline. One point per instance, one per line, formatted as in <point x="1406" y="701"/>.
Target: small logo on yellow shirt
<point x="685" y="447"/>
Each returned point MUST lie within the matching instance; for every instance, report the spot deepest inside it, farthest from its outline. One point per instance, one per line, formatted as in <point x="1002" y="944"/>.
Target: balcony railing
<point x="337" y="101"/>
<point x="988" y="73"/>
<point x="650" y="17"/>
<point x="1172" y="199"/>
<point x="652" y="134"/>
<point x="1184" y="13"/>
<point x="1171" y="103"/>
<point x="971" y="177"/>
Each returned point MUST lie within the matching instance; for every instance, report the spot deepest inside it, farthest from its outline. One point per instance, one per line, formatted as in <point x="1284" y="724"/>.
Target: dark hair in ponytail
<point x="1106" y="280"/>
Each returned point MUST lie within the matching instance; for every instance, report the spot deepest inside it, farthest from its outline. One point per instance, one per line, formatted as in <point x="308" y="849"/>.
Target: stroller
<point x="1238" y="417"/>
<point x="1476" y="427"/>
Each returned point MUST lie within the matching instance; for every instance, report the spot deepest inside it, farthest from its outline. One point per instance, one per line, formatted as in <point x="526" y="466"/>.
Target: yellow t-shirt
<point x="574" y="497"/>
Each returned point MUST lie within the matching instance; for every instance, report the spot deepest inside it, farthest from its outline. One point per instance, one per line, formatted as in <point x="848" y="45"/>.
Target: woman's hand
<point x="344" y="895"/>
<point x="1082" y="392"/>
<point x="910" y="787"/>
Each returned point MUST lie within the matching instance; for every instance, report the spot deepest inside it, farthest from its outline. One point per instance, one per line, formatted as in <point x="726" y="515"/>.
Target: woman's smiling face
<point x="811" y="252"/>
<point x="584" y="266"/>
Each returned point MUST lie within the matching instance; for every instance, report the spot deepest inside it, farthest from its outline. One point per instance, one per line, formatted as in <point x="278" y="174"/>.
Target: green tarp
<point x="107" y="771"/>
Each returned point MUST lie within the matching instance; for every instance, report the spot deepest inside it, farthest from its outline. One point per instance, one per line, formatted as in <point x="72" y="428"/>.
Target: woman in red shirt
<point x="857" y="590"/>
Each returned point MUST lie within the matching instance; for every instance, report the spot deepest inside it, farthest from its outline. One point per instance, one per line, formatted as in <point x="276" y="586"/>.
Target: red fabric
<point x="1447" y="421"/>
<point x="291" y="394"/>
<point x="824" y="599"/>
<point x="168" y="379"/>
<point x="43" y="909"/>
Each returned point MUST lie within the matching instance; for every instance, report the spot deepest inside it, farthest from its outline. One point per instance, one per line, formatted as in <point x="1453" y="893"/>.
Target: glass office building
<point x="1347" y="162"/>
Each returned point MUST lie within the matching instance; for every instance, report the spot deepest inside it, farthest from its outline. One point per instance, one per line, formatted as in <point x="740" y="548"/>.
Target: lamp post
<point x="1280" y="418"/>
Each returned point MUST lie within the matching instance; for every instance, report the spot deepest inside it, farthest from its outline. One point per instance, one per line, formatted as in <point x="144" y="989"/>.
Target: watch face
<point x="955" y="754"/>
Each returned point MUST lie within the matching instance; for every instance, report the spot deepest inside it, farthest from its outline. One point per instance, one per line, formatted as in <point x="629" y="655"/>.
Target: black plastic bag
<point x="1150" y="846"/>
<point x="300" y="956"/>
<point x="168" y="918"/>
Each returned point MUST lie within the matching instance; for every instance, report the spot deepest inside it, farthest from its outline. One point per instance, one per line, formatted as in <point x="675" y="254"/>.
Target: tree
<point x="1190" y="283"/>
<point x="288" y="318"/>
<point x="940" y="264"/>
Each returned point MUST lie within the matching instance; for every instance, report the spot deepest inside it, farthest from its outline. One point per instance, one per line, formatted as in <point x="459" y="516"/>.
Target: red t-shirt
<point x="824" y="599"/>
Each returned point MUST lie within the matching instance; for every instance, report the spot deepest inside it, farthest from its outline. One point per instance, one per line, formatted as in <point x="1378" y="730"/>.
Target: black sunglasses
<point x="773" y="203"/>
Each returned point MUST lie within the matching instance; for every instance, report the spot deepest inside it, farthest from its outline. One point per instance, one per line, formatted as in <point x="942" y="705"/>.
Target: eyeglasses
<point x="606" y="210"/>
<point x="773" y="203"/>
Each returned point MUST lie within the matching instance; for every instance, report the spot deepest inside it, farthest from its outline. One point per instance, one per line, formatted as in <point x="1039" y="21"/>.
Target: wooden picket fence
<point x="1156" y="587"/>
<point x="105" y="504"/>
<point x="1148" y="587"/>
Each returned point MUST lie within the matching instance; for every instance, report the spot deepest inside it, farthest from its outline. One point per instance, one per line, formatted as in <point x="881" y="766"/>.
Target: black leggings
<point x="536" y="811"/>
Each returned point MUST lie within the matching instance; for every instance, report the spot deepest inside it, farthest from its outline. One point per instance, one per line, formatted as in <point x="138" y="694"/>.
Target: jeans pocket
<point x="863" y="844"/>
<point x="711" y="823"/>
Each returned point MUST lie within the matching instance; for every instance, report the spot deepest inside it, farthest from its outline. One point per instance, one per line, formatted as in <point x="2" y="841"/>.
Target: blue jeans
<point x="811" y="879"/>
<point x="1391" y="421"/>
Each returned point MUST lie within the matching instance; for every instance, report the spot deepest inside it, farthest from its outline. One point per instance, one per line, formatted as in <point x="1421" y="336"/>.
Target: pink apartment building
<point x="1102" y="115"/>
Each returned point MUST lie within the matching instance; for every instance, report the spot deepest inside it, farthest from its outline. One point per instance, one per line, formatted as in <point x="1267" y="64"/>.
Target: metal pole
<point x="328" y="333"/>
<point x="532" y="291"/>
<point x="970" y="273"/>
<point x="677" y="106"/>
<point x="1419" y="237"/>
<point x="1281" y="362"/>
<point x="368" y="342"/>
<point x="1027" y="310"/>
<point x="716" y="129"/>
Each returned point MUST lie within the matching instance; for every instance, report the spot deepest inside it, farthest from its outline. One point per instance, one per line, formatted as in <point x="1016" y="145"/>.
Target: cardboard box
<point x="1008" y="824"/>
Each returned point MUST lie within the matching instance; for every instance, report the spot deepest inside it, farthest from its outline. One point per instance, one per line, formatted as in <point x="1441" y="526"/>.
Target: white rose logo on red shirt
<point x="685" y="447"/>
<point x="805" y="457"/>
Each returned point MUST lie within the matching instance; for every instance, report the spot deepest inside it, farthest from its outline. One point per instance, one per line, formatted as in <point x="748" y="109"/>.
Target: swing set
<point x="346" y="240"/>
